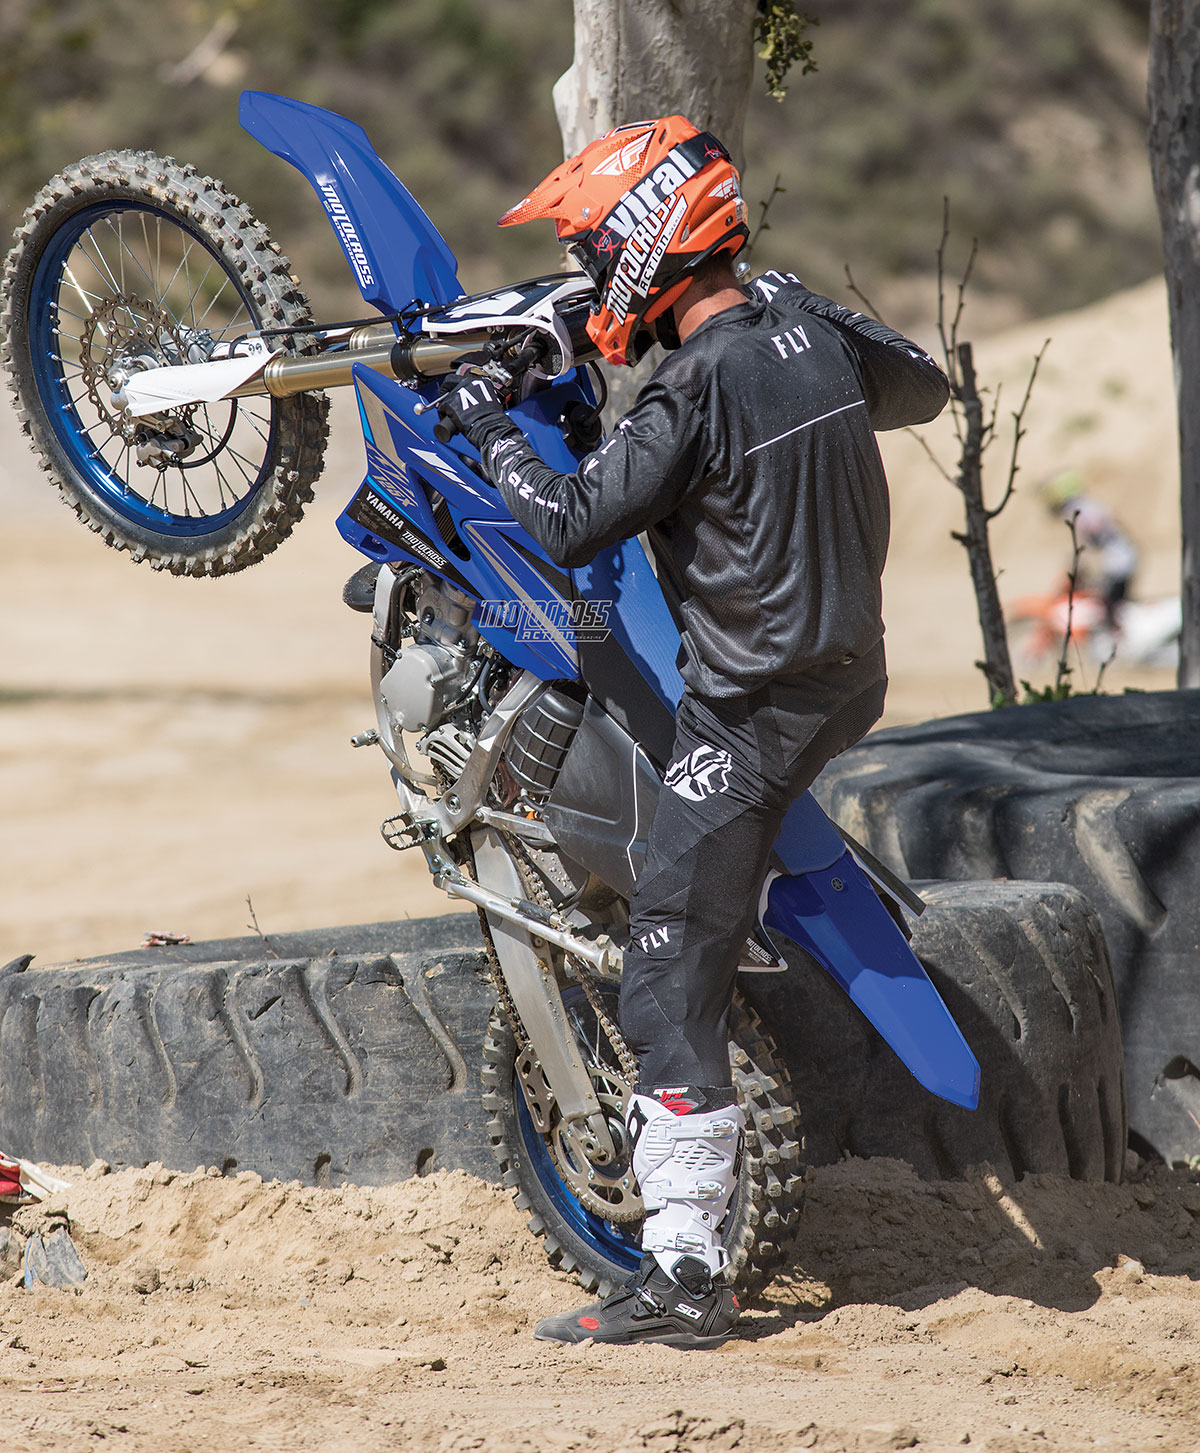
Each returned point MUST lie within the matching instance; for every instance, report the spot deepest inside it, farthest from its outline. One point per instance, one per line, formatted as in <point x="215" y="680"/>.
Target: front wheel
<point x="594" y="1232"/>
<point x="128" y="261"/>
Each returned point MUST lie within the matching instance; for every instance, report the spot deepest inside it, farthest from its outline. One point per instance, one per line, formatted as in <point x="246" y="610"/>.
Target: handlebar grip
<point x="444" y="431"/>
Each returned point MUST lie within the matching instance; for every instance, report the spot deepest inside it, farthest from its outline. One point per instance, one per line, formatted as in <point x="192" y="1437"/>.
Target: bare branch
<point x="254" y="925"/>
<point x="1063" y="670"/>
<point x="1104" y="665"/>
<point x="989" y="428"/>
<point x="950" y="340"/>
<point x="763" y="224"/>
<point x="962" y="290"/>
<point x="933" y="459"/>
<point x="947" y="351"/>
<point x="1019" y="431"/>
<point x="861" y="296"/>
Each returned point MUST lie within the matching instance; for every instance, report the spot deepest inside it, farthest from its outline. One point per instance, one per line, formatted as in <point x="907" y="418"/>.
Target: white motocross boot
<point x="687" y="1168"/>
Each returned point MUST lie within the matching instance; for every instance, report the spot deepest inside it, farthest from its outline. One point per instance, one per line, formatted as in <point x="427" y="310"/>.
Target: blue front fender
<point x="827" y="905"/>
<point x="394" y="250"/>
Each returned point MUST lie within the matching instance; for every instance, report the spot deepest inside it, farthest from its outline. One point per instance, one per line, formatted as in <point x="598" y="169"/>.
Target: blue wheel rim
<point x="615" y="1243"/>
<point x="105" y="479"/>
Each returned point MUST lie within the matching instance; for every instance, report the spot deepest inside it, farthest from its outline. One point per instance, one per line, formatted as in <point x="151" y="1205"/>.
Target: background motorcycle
<point x="168" y="371"/>
<point x="1147" y="631"/>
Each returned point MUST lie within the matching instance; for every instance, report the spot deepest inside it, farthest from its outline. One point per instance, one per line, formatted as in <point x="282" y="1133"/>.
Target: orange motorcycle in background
<point x="1139" y="633"/>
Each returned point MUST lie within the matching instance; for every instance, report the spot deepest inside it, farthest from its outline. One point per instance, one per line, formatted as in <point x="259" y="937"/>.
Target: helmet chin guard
<point x="640" y="210"/>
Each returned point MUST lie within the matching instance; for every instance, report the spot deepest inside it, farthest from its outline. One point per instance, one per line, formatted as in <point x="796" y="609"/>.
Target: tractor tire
<point x="1102" y="792"/>
<point x="346" y="1056"/>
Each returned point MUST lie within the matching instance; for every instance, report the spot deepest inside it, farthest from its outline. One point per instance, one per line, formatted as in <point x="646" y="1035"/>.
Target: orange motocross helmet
<point x="640" y="210"/>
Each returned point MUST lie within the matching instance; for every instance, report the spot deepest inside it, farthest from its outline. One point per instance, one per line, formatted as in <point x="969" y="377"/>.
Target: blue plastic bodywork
<point x="395" y="252"/>
<point x="835" y="914"/>
<point x="823" y="900"/>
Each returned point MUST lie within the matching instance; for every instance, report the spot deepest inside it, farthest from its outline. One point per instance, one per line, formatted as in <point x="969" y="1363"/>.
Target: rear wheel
<point x="129" y="261"/>
<point x="595" y="1234"/>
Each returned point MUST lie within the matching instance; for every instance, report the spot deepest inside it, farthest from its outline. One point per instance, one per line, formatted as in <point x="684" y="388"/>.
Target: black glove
<point x="469" y="406"/>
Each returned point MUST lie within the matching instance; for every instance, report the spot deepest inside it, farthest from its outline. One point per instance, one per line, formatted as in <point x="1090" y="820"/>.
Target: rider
<point x="750" y="459"/>
<point x="1110" y="568"/>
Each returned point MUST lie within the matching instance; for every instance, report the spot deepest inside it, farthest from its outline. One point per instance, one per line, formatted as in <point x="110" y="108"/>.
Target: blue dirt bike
<point x="168" y="371"/>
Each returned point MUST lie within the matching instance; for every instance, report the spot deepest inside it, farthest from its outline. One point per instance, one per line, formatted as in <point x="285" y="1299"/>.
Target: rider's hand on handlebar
<point x="468" y="406"/>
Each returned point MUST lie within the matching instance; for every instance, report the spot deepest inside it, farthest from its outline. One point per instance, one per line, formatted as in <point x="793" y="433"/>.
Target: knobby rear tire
<point x="765" y="1213"/>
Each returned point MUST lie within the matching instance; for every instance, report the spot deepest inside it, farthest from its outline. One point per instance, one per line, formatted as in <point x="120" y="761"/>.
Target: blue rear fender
<point x="828" y="905"/>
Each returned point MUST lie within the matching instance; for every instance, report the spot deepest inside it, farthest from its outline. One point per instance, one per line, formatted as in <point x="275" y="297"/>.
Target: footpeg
<point x="401" y="833"/>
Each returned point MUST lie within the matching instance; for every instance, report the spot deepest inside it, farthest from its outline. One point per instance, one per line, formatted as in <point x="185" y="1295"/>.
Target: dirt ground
<point x="225" y="1313"/>
<point x="169" y="748"/>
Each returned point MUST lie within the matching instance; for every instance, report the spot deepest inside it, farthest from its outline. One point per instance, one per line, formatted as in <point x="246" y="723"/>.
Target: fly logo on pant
<point x="702" y="773"/>
<point x="654" y="939"/>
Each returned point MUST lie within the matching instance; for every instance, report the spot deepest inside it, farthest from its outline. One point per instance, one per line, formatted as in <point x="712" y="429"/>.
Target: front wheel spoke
<point x="254" y="420"/>
<point x="225" y="485"/>
<point x="97" y="451"/>
<point x="79" y="317"/>
<point x="243" y="463"/>
<point x="187" y="274"/>
<point x="211" y="302"/>
<point x="127" y="250"/>
<point x="120" y="246"/>
<point x="196" y="292"/>
<point x="84" y="293"/>
<point x="213" y="436"/>
<point x="190" y="494"/>
<point x="163" y="303"/>
<point x="100" y="260"/>
<point x="153" y="281"/>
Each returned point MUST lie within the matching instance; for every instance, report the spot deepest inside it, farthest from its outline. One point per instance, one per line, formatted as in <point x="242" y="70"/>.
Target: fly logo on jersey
<point x="702" y="773"/>
<point x="791" y="342"/>
<point x="656" y="938"/>
<point x="769" y="289"/>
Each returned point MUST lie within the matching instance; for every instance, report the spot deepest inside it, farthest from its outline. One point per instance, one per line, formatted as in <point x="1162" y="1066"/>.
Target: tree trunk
<point x="1174" y="97"/>
<point x="636" y="59"/>
<point x="996" y="664"/>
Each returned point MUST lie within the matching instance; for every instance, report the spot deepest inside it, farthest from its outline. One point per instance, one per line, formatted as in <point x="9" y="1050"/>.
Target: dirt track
<point x="226" y="1314"/>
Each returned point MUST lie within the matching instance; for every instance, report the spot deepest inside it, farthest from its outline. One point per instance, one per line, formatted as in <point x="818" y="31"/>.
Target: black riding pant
<point x="737" y="766"/>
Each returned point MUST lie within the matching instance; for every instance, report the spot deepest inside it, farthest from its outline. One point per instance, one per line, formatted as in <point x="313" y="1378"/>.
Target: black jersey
<point x="750" y="459"/>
